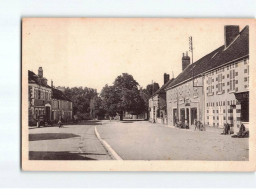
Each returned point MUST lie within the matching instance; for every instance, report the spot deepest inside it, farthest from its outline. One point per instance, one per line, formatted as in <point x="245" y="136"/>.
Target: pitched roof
<point x="33" y="78"/>
<point x="220" y="56"/>
<point x="59" y="95"/>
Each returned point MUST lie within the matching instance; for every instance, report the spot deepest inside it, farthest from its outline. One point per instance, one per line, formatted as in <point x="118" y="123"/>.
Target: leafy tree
<point x="81" y="98"/>
<point x="122" y="96"/>
<point x="151" y="88"/>
<point x="96" y="108"/>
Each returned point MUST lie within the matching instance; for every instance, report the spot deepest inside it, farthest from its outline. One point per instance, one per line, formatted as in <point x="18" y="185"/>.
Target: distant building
<point x="39" y="97"/>
<point x="215" y="88"/>
<point x="157" y="103"/>
<point x="62" y="107"/>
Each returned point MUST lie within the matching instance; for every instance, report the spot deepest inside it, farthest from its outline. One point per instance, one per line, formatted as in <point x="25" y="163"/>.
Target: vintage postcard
<point x="138" y="94"/>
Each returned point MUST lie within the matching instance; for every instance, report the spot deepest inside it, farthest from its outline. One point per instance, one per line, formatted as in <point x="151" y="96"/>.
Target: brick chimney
<point x="166" y="78"/>
<point x="40" y="72"/>
<point x="230" y="33"/>
<point x="185" y="60"/>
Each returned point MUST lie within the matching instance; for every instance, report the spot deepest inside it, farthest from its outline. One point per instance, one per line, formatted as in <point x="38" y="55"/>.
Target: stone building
<point x="214" y="89"/>
<point x="45" y="101"/>
<point x="157" y="103"/>
<point x="227" y="81"/>
<point x="39" y="97"/>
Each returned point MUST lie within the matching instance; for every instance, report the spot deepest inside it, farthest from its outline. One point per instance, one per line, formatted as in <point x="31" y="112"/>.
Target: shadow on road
<point x="50" y="136"/>
<point x="84" y="122"/>
<point x="131" y="120"/>
<point x="33" y="155"/>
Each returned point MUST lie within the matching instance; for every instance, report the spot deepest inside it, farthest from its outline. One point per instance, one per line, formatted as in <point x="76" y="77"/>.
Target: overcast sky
<point x="93" y="52"/>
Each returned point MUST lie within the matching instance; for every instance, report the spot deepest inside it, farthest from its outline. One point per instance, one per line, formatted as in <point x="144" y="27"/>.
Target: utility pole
<point x="191" y="48"/>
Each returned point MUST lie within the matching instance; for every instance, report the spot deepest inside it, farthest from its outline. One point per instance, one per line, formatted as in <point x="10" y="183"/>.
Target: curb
<point x="110" y="151"/>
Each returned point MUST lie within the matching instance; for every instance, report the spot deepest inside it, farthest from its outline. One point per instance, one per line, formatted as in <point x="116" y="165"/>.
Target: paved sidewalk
<point x="73" y="142"/>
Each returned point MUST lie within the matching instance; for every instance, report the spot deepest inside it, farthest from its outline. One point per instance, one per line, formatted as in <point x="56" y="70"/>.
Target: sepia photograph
<point x="137" y="94"/>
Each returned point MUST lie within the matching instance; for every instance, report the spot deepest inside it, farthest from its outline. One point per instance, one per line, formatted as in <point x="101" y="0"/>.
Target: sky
<point x="92" y="52"/>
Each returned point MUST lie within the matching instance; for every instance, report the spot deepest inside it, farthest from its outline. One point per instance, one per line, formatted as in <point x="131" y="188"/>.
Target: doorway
<point x="193" y="115"/>
<point x="47" y="113"/>
<point x="187" y="115"/>
<point x="182" y="115"/>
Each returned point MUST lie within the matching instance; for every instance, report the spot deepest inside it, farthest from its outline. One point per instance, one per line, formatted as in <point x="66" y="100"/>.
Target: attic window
<point x="214" y="54"/>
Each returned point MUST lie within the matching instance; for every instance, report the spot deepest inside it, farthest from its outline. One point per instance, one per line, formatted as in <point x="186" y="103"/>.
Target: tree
<point x="96" y="108"/>
<point x="122" y="96"/>
<point x="151" y="88"/>
<point x="81" y="98"/>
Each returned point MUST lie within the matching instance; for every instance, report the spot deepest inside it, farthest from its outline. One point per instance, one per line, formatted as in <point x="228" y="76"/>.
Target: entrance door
<point x="193" y="115"/>
<point x="182" y="115"/>
<point x="187" y="116"/>
<point x="47" y="113"/>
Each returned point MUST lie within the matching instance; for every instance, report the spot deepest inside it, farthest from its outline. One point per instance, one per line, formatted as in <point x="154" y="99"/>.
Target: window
<point x="232" y="80"/>
<point x="219" y="85"/>
<point x="245" y="70"/>
<point x="210" y="87"/>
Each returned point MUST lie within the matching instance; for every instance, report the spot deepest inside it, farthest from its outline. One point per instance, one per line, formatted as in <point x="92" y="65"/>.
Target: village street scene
<point x="199" y="113"/>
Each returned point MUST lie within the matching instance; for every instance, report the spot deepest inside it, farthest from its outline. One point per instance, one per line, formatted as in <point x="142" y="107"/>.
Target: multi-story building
<point x="214" y="89"/>
<point x="39" y="97"/>
<point x="46" y="101"/>
<point x="226" y="82"/>
<point x="157" y="103"/>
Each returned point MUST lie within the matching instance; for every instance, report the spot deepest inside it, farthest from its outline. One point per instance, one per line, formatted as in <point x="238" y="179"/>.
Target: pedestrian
<point x="60" y="123"/>
<point x="195" y="124"/>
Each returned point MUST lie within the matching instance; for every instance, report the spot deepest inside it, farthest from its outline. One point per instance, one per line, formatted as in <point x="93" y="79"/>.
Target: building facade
<point x="39" y="97"/>
<point x="45" y="101"/>
<point x="214" y="89"/>
<point x="157" y="103"/>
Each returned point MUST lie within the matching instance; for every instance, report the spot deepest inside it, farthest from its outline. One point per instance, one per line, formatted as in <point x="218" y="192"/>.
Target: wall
<point x="220" y="86"/>
<point x="188" y="98"/>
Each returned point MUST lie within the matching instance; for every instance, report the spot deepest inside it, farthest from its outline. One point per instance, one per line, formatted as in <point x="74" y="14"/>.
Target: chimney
<point x="166" y="78"/>
<point x="51" y="83"/>
<point x="230" y="33"/>
<point x="185" y="61"/>
<point x="40" y="72"/>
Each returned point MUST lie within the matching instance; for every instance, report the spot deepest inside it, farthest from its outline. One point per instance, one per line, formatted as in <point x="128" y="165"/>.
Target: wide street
<point x="133" y="140"/>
